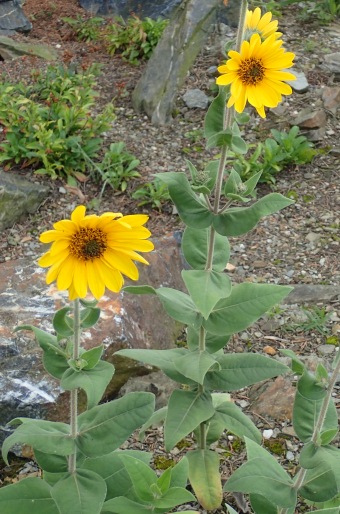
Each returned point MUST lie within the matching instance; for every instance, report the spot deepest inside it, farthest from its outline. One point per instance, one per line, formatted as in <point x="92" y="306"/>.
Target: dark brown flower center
<point x="88" y="244"/>
<point x="251" y="71"/>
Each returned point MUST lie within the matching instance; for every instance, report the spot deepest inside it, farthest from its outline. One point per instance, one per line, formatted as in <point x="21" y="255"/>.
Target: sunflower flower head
<point x="94" y="252"/>
<point x="256" y="74"/>
<point x="264" y="26"/>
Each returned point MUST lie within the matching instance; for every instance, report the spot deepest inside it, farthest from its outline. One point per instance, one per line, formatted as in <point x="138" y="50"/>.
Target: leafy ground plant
<point x="153" y="193"/>
<point x="48" y="124"/>
<point x="134" y="39"/>
<point x="89" y="29"/>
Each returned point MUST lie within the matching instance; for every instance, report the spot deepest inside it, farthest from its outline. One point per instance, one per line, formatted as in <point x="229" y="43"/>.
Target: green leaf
<point x="240" y="370"/>
<point x="54" y="358"/>
<point x="321" y="483"/>
<point x="121" y="505"/>
<point x="179" y="474"/>
<point x="46" y="436"/>
<point x="246" y="304"/>
<point x="240" y="220"/>
<point x="142" y="477"/>
<point x="179" y="306"/>
<point x="164" y="481"/>
<point x="104" y="428"/>
<point x="205" y="478"/>
<point x="251" y="183"/>
<point x="173" y="497"/>
<point x="62" y="323"/>
<point x="214" y="119"/>
<point x="264" y="476"/>
<point x="222" y="138"/>
<point x="195" y="244"/>
<point x="334" y="510"/>
<point x="230" y="417"/>
<point x="111" y="468"/>
<point x="216" y="285"/>
<point x="51" y="463"/>
<point x="89" y="317"/>
<point x="93" y="381"/>
<point x="139" y="290"/>
<point x="233" y="183"/>
<point x="82" y="492"/>
<point x="19" y="498"/>
<point x="231" y="510"/>
<point x="163" y="359"/>
<point x="186" y="410"/>
<point x="238" y="145"/>
<point x="298" y="366"/>
<point x="191" y="208"/>
<point x="92" y="357"/>
<point x="195" y="365"/>
<point x="156" y="419"/>
<point x="261" y="505"/>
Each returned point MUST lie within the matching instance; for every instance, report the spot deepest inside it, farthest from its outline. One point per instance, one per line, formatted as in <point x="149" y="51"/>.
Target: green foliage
<point x="153" y="193"/>
<point x="323" y="11"/>
<point x="277" y="152"/>
<point x="48" y="123"/>
<point x="117" y="168"/>
<point x="317" y="319"/>
<point x="89" y="29"/>
<point x="134" y="39"/>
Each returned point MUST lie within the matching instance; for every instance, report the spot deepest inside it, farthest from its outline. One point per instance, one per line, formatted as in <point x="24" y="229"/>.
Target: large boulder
<point x="10" y="49"/>
<point x="18" y="197"/>
<point x="126" y="321"/>
<point x="12" y="17"/>
<point x="172" y="58"/>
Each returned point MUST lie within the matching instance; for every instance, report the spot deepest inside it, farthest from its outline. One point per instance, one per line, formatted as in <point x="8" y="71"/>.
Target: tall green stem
<point x="74" y="392"/>
<point x="228" y="121"/>
<point x="300" y="476"/>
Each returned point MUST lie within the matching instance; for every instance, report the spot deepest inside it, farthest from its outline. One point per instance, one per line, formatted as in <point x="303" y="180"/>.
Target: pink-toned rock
<point x="311" y="119"/>
<point x="274" y="399"/>
<point x="331" y="98"/>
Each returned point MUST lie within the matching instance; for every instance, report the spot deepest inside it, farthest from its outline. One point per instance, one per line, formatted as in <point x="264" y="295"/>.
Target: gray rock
<point x="165" y="72"/>
<point x="326" y="349"/>
<point x="313" y="237"/>
<point x="157" y="383"/>
<point x="300" y="85"/>
<point x="18" y="197"/>
<point x="196" y="99"/>
<point x="331" y="98"/>
<point x="12" y="18"/>
<point x="10" y="49"/>
<point x="332" y="63"/>
<point x="311" y="119"/>
<point x="126" y="321"/>
<point x="306" y="293"/>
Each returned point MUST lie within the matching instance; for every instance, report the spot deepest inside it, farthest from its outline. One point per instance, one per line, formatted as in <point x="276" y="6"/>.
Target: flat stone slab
<point x="10" y="49"/>
<point x="306" y="293"/>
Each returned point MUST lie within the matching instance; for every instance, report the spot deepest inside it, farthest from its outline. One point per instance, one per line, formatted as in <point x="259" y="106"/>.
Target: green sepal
<point x="237" y="221"/>
<point x="222" y="138"/>
<point x="298" y="366"/>
<point x="195" y="245"/>
<point x="238" y="145"/>
<point x="92" y="357"/>
<point x="215" y="284"/>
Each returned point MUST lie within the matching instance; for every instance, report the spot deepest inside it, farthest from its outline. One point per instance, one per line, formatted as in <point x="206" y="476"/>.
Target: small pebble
<point x="267" y="434"/>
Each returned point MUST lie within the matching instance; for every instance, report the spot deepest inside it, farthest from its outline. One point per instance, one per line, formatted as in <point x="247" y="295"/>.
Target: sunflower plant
<point x="84" y="471"/>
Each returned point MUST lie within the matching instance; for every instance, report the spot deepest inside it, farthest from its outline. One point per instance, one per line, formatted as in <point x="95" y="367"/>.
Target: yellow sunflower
<point x="92" y="252"/>
<point x="255" y="74"/>
<point x="262" y="25"/>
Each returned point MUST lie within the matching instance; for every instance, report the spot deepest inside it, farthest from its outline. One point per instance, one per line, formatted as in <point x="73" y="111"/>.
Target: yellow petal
<point x="80" y="279"/>
<point x="112" y="278"/>
<point x="122" y="263"/>
<point x="78" y="214"/>
<point x="95" y="282"/>
<point x="65" y="275"/>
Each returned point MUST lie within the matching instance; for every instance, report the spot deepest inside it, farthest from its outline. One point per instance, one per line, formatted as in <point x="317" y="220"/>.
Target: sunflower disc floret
<point x="94" y="252"/>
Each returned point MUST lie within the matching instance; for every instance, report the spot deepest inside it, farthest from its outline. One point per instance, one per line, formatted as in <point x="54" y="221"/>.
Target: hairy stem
<point x="74" y="392"/>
